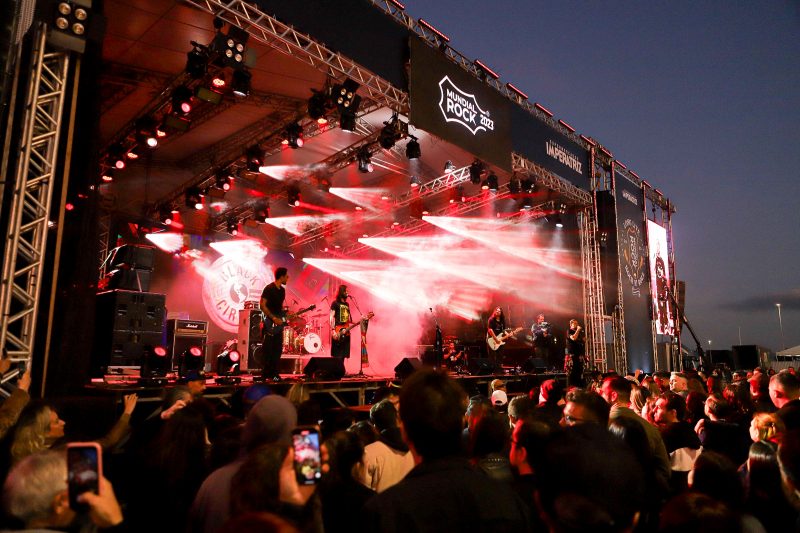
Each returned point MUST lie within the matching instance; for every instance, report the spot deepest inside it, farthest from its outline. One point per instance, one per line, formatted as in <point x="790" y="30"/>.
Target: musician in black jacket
<point x="340" y="316"/>
<point x="271" y="305"/>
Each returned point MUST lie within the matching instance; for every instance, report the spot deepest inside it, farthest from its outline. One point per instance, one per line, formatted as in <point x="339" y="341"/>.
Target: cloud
<point x="766" y="302"/>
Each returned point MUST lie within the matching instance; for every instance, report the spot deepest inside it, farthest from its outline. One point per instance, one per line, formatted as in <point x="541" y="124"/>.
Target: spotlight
<point x="364" y="158"/>
<point x="218" y="81"/>
<point x="345" y="95"/>
<point x="293" y="195"/>
<point x="527" y="203"/>
<point x="116" y="156"/>
<point x="133" y="153"/>
<point x="528" y="186"/>
<point x="294" y="135"/>
<point x="415" y="181"/>
<point x="457" y="194"/>
<point x="559" y="222"/>
<point x="261" y="212"/>
<point x="147" y="132"/>
<point x="514" y="185"/>
<point x="182" y="100"/>
<point x="107" y="175"/>
<point x="228" y="360"/>
<point x="240" y="83"/>
<point x="165" y="215"/>
<point x="318" y="106"/>
<point x="347" y="121"/>
<point x="562" y="209"/>
<point x="155" y="362"/>
<point x="255" y="158"/>
<point x="413" y="151"/>
<point x="71" y="19"/>
<point x="197" y="61"/>
<point x="449" y="167"/>
<point x="193" y="198"/>
<point x="390" y="133"/>
<point x="233" y="227"/>
<point x="475" y="170"/>
<point x="492" y="182"/>
<point x="191" y="359"/>
<point x="223" y="180"/>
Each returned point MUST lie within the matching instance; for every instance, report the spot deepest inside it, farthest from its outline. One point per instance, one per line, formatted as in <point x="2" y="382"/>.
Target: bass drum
<point x="308" y="343"/>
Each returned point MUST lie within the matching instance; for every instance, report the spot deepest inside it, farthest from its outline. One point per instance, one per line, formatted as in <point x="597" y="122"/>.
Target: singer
<point x="340" y="316"/>
<point x="574" y="360"/>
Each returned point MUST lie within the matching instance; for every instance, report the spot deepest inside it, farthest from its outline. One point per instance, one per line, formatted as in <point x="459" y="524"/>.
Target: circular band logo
<point x="228" y="285"/>
<point x="633" y="255"/>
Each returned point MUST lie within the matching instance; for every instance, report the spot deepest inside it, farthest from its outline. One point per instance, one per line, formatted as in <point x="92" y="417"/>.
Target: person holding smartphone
<point x="45" y="504"/>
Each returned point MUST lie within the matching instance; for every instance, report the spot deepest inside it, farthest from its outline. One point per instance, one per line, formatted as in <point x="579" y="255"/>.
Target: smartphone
<point x="307" y="461"/>
<point x="84" y="468"/>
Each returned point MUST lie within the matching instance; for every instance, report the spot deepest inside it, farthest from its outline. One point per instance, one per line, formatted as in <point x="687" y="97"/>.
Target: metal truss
<point x="284" y="38"/>
<point x="592" y="290"/>
<point x="550" y="180"/>
<point x="26" y="234"/>
<point x="425" y="190"/>
<point x="122" y="80"/>
<point x="654" y="195"/>
<point x="618" y="323"/>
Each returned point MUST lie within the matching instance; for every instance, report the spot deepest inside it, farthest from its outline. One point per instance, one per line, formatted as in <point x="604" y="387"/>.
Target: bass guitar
<point x="343" y="329"/>
<point x="501" y="339"/>
<point x="271" y="328"/>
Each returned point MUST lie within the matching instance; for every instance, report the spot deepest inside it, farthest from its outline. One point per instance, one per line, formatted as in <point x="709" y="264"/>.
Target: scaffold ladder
<point x="592" y="291"/>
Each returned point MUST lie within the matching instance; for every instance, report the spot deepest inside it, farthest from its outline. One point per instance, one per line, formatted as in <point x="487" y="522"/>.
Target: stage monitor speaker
<point x="324" y="368"/>
<point x="534" y="365"/>
<point x="407" y="366"/>
<point x="249" y="344"/>
<point x="120" y="310"/>
<point x="479" y="366"/>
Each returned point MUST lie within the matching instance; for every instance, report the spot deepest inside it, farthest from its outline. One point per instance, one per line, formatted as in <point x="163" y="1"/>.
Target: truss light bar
<point x="517" y="91"/>
<point x="620" y="163"/>
<point x="413" y="150"/>
<point x="570" y="128"/>
<point x="486" y="69"/>
<point x="543" y="109"/>
<point x="588" y="140"/>
<point x="240" y="82"/>
<point x="426" y="24"/>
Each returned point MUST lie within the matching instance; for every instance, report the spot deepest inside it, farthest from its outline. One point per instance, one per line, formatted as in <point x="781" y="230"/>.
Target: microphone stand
<point x="437" y="341"/>
<point x="361" y="374"/>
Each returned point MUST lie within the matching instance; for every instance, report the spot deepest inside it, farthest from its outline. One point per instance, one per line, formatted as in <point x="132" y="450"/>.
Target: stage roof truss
<point x="284" y="38"/>
<point x="542" y="177"/>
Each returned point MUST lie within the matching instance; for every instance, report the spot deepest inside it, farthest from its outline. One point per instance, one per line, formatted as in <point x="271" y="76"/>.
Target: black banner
<point x="355" y="28"/>
<point x="450" y="103"/>
<point x="541" y="144"/>
<point x="634" y="274"/>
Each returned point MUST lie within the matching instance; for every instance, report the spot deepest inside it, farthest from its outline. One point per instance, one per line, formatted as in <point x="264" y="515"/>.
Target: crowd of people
<point x="659" y="452"/>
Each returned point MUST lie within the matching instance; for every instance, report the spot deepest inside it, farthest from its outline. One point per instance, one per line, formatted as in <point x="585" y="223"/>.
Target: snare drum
<point x="308" y="343"/>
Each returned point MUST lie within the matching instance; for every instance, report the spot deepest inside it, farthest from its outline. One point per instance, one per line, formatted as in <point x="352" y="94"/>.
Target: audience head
<point x="365" y="430"/>
<point x="638" y="398"/>
<point x="527" y="444"/>
<point x="717" y="408"/>
<point x="520" y="407"/>
<point x="765" y="426"/>
<point x="589" y="482"/>
<point x="270" y="420"/>
<point x="345" y="452"/>
<point x="763" y="471"/>
<point x="616" y="390"/>
<point x="789" y="462"/>
<point x="35" y="491"/>
<point x="37" y="427"/>
<point x="550" y="392"/>
<point x="759" y="386"/>
<point x="497" y="384"/>
<point x="670" y="408"/>
<point x="383" y="415"/>
<point x="632" y="433"/>
<point x="783" y="388"/>
<point x="678" y="382"/>
<point x="174" y="394"/>
<point x="257" y="481"/>
<point x="698" y="513"/>
<point x="715" y="475"/>
<point x="432" y="411"/>
<point x="490" y="436"/>
<point x="584" y="407"/>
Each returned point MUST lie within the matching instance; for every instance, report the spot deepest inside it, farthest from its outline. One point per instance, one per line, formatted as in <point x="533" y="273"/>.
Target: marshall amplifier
<point x="185" y="334"/>
<point x="250" y="340"/>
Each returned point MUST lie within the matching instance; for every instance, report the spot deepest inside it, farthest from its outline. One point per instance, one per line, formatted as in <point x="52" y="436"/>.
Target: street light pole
<point x="780" y="323"/>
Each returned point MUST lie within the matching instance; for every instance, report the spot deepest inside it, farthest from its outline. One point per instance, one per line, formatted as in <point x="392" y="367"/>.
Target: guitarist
<point x="271" y="305"/>
<point x="340" y="316"/>
<point x="497" y="325"/>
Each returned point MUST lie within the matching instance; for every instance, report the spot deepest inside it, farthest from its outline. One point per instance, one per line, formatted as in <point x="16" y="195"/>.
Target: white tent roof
<point x="794" y="350"/>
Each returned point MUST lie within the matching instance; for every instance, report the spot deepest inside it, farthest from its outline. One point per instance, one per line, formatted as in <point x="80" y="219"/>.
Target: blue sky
<point x="701" y="99"/>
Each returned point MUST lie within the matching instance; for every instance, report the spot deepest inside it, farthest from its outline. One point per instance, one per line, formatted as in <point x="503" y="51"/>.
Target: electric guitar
<point x="271" y="328"/>
<point x="342" y="330"/>
<point x="501" y="339"/>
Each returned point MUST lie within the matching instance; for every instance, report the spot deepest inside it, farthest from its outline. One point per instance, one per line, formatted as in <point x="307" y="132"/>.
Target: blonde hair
<point x="769" y="426"/>
<point x="30" y="434"/>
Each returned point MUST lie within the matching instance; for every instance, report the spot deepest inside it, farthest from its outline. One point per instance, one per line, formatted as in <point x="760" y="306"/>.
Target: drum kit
<point x="301" y="336"/>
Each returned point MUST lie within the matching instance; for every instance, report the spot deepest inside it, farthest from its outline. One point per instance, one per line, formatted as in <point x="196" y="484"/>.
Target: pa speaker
<point x="325" y="368"/>
<point x="407" y="366"/>
<point x="479" y="366"/>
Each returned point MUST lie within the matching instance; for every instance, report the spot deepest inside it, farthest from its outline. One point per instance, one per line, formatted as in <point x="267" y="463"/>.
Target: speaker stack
<point x="127" y="323"/>
<point x="249" y="345"/>
<point x="186" y="344"/>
